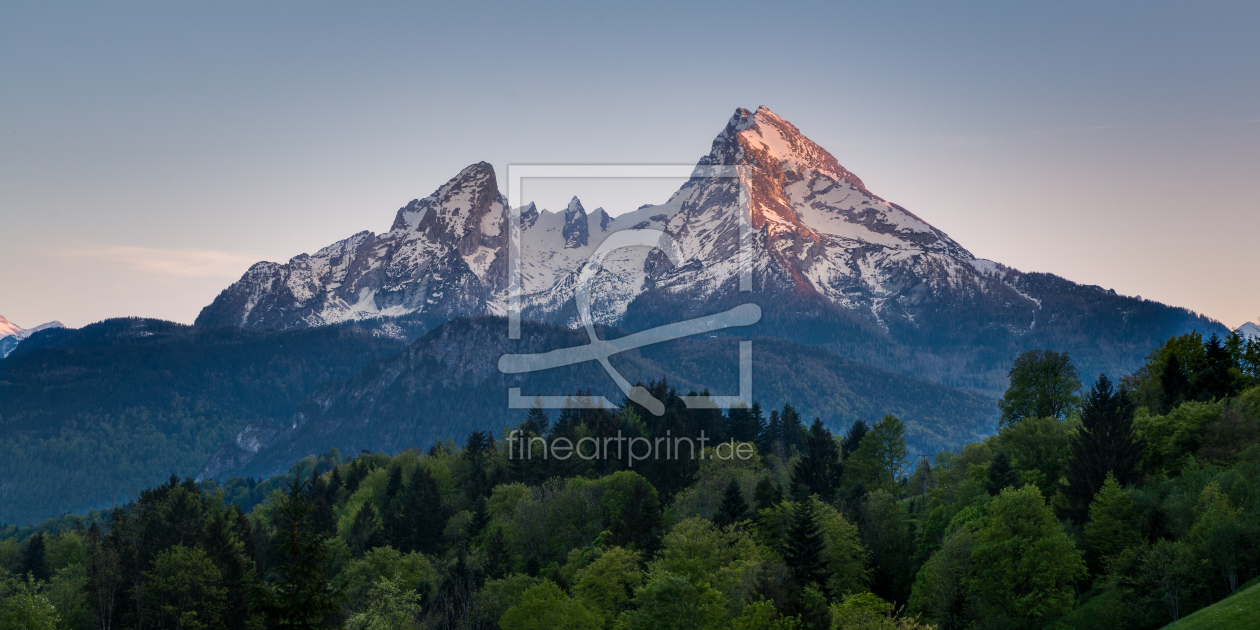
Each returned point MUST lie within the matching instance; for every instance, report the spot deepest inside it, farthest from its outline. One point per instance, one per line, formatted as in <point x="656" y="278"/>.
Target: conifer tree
<point x="1001" y="474"/>
<point x="766" y="494"/>
<point x="793" y="430"/>
<point x="734" y="508"/>
<point x="1105" y="444"/>
<point x="33" y="561"/>
<point x="335" y="483"/>
<point x="423" y="514"/>
<point x="643" y="527"/>
<point x="853" y="439"/>
<point x="299" y="594"/>
<point x="364" y="532"/>
<point x="1173" y="381"/>
<point x="323" y="517"/>
<point x="393" y="521"/>
<point x="819" y="470"/>
<point x="772" y="437"/>
<point x="536" y="421"/>
<point x="1215" y="381"/>
<point x="480" y="518"/>
<point x="479" y="443"/>
<point x="805" y="544"/>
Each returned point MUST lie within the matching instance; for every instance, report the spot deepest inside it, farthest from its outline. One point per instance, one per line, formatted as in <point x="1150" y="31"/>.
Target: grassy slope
<point x="1239" y="610"/>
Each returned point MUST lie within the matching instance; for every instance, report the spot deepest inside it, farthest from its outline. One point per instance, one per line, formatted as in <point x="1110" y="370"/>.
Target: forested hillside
<point x="448" y="384"/>
<point x="1108" y="506"/>
<point x="89" y="416"/>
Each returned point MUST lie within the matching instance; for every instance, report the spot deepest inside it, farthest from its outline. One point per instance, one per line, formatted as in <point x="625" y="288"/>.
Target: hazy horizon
<point x="151" y="153"/>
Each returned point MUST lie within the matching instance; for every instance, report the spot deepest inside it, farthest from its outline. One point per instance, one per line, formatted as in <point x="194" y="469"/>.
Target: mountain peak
<point x="765" y="139"/>
<point x="576" y="227"/>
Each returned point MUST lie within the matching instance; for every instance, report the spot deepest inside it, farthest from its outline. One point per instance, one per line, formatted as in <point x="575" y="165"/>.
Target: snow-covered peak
<point x="451" y="204"/>
<point x="8" y="328"/>
<point x="765" y="139"/>
<point x="1249" y="331"/>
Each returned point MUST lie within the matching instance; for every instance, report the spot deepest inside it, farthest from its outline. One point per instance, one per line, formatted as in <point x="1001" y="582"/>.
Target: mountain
<point x="8" y="328"/>
<point x="1249" y="331"/>
<point x="11" y="334"/>
<point x="89" y="415"/>
<point x="833" y="265"/>
<point x="446" y="384"/>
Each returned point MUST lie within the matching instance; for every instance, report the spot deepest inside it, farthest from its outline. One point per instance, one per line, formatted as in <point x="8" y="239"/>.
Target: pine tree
<point x="766" y="494"/>
<point x="536" y="421"/>
<point x="358" y="471"/>
<point x="819" y="470"/>
<point x="805" y="544"/>
<point x="757" y="420"/>
<point x="301" y="595"/>
<point x="333" y="493"/>
<point x="323" y="517"/>
<point x="423" y="514"/>
<point x="738" y="423"/>
<point x="793" y="429"/>
<point x="734" y="508"/>
<point x="364" y="532"/>
<point x="479" y="443"/>
<point x="645" y="522"/>
<point x="1174" y="382"/>
<point x="772" y="438"/>
<point x="393" y="521"/>
<point x="1215" y="382"/>
<point x="853" y="439"/>
<point x="480" y="518"/>
<point x="1105" y="444"/>
<point x="33" y="561"/>
<point x="498" y="555"/>
<point x="1001" y="474"/>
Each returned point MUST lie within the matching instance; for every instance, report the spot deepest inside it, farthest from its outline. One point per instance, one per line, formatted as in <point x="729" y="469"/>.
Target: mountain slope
<point x="89" y="415"/>
<point x="447" y="384"/>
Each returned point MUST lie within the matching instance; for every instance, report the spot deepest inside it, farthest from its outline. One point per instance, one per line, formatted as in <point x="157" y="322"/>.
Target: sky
<point x="150" y="152"/>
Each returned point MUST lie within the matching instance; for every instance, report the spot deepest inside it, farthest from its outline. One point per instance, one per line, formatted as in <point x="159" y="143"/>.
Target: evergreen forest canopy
<point x="1127" y="505"/>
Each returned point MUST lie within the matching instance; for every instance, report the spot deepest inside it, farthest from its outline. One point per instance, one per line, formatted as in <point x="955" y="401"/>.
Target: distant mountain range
<point x="11" y="334"/>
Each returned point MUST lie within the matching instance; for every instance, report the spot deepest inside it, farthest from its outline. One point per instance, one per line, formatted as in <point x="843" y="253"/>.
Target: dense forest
<point x="1122" y="504"/>
<point x="89" y="416"/>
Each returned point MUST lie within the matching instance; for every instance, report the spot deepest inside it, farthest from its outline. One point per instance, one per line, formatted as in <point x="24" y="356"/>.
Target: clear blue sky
<point x="150" y="152"/>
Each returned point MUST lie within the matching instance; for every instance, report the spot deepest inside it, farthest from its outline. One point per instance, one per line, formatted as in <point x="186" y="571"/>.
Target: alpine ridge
<point x="834" y="265"/>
